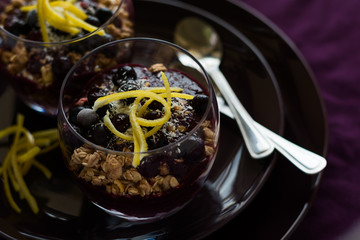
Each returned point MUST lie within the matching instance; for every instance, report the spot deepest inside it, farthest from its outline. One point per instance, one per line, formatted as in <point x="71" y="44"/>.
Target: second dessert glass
<point x="139" y="129"/>
<point x="35" y="64"/>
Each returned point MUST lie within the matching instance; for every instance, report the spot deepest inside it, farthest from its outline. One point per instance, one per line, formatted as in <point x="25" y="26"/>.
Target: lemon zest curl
<point x="137" y="110"/>
<point x="21" y="157"/>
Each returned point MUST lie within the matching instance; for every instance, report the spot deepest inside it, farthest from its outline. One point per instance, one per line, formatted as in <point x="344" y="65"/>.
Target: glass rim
<point x="212" y="99"/>
<point x="69" y="41"/>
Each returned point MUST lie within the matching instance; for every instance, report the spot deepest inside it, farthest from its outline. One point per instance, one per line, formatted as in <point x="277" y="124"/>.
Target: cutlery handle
<point x="305" y="160"/>
<point x="257" y="145"/>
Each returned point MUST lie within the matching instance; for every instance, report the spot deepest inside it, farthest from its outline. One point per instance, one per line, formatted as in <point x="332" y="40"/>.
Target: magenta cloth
<point x="327" y="33"/>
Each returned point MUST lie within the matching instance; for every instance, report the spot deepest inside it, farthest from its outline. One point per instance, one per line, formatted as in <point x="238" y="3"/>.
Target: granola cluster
<point x="16" y="58"/>
<point x="116" y="174"/>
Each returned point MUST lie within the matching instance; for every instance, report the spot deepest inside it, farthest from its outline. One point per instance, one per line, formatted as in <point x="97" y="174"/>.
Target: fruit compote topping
<point x="54" y="21"/>
<point x="135" y="109"/>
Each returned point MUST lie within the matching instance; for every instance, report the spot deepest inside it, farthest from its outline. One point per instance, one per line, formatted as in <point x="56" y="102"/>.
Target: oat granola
<point x="157" y="173"/>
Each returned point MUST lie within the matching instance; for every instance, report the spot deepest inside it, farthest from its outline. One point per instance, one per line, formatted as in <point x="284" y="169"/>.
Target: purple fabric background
<point x="328" y="35"/>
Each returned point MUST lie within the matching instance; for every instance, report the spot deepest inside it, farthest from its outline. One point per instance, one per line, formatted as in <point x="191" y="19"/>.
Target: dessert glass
<point x="36" y="69"/>
<point x="168" y="175"/>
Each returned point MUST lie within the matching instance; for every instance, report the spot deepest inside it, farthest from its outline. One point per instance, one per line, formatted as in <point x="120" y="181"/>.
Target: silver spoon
<point x="203" y="42"/>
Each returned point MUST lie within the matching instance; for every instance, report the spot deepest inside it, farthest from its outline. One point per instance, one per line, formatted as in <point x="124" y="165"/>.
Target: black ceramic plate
<point x="235" y="179"/>
<point x="233" y="182"/>
<point x="288" y="194"/>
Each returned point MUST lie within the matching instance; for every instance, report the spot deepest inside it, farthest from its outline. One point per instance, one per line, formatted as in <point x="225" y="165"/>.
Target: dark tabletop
<point x="326" y="32"/>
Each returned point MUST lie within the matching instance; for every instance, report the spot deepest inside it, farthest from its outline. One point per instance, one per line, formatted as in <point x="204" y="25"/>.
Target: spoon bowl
<point x="205" y="44"/>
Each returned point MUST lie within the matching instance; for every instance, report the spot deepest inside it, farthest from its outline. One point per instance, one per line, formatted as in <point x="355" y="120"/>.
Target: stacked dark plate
<point x="256" y="199"/>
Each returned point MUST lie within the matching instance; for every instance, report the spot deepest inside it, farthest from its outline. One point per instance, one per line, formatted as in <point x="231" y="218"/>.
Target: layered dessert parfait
<point x="140" y="140"/>
<point x="41" y="40"/>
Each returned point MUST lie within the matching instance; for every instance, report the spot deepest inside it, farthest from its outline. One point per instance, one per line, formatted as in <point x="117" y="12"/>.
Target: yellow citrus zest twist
<point x="41" y="19"/>
<point x="21" y="157"/>
<point x="62" y="15"/>
<point x="138" y="134"/>
<point x="137" y="110"/>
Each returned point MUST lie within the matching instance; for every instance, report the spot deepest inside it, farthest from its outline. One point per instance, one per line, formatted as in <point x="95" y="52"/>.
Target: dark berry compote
<point x="155" y="140"/>
<point x="36" y="70"/>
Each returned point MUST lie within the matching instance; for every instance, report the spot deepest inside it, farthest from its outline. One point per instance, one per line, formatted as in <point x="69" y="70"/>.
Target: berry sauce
<point x="183" y="162"/>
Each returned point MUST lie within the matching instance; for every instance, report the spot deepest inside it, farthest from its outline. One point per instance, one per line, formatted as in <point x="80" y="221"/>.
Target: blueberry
<point x="192" y="149"/>
<point x="199" y="103"/>
<point x="187" y="120"/>
<point x="87" y="117"/>
<point x="121" y="122"/>
<point x="32" y="19"/>
<point x="152" y="115"/>
<point x="129" y="101"/>
<point x="117" y="146"/>
<point x="34" y="64"/>
<point x="99" y="134"/>
<point x="101" y="112"/>
<point x="149" y="166"/>
<point x="97" y="40"/>
<point x="178" y="169"/>
<point x="35" y="35"/>
<point x="61" y="66"/>
<point x="158" y="141"/>
<point x="93" y="21"/>
<point x="16" y="26"/>
<point x="58" y="32"/>
<point x="103" y="14"/>
<point x="94" y="93"/>
<point x="129" y="87"/>
<point x="155" y="105"/>
<point x="78" y="47"/>
<point x="123" y="75"/>
<point x="74" y="112"/>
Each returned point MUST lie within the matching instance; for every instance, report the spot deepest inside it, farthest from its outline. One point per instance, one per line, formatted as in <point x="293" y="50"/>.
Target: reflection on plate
<point x="235" y="179"/>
